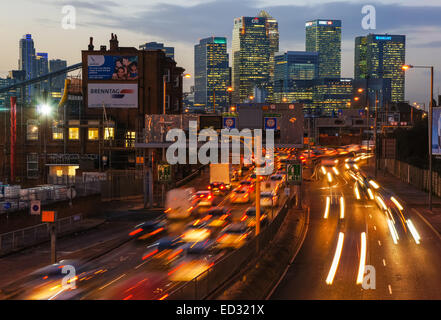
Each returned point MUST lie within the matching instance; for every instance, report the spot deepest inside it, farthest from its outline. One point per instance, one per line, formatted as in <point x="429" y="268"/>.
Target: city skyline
<point x="423" y="34"/>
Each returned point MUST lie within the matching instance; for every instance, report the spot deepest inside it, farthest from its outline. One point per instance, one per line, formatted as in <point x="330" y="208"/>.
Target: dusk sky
<point x="181" y="23"/>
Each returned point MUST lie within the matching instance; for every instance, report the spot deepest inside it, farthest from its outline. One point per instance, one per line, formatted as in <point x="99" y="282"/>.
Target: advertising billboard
<point x="436" y="132"/>
<point x="107" y="67"/>
<point x="112" y="95"/>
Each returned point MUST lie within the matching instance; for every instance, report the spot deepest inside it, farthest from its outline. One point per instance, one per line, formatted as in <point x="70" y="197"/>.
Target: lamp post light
<point x="405" y="68"/>
<point x="230" y="92"/>
<point x="44" y="110"/>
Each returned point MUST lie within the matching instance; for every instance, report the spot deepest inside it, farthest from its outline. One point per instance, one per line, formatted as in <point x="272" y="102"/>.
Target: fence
<point x="22" y="238"/>
<point x="47" y="194"/>
<point x="415" y="176"/>
<point x="209" y="281"/>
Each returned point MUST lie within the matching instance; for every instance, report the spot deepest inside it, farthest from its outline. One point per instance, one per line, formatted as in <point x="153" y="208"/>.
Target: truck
<point x="178" y="203"/>
<point x="221" y="173"/>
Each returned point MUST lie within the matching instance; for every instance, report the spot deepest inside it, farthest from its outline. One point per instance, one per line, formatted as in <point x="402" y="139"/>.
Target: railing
<point x="209" y="281"/>
<point x="30" y="236"/>
<point x="47" y="194"/>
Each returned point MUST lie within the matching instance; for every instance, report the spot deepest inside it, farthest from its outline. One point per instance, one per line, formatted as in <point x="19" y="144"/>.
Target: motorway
<point x="122" y="273"/>
<point x="405" y="270"/>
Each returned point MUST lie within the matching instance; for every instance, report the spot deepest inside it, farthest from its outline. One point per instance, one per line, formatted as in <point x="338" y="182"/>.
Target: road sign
<point x="48" y="216"/>
<point x="270" y="123"/>
<point x="164" y="172"/>
<point x="7" y="205"/>
<point x="35" y="207"/>
<point x="230" y="122"/>
<point x="294" y="173"/>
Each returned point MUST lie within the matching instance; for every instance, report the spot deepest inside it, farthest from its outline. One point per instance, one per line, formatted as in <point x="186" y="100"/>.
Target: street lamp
<point x="230" y="92"/>
<point x="405" y="68"/>
<point x="44" y="110"/>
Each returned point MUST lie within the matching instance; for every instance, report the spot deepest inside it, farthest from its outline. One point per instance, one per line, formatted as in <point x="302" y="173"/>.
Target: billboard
<point x="112" y="95"/>
<point x="107" y="67"/>
<point x="436" y="131"/>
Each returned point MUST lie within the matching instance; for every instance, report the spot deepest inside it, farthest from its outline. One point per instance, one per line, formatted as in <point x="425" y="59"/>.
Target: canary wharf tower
<point x="251" y="56"/>
<point x="324" y="37"/>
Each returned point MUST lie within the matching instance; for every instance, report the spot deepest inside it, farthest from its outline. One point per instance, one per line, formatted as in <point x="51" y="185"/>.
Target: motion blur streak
<point x="335" y="171"/>
<point x="336" y="259"/>
<point x="371" y="195"/>
<point x="329" y="177"/>
<point x="399" y="206"/>
<point x="393" y="231"/>
<point x="328" y="203"/>
<point x="362" y="258"/>
<point x="357" y="193"/>
<point x="342" y="208"/>
<point x="374" y="184"/>
<point x="414" y="232"/>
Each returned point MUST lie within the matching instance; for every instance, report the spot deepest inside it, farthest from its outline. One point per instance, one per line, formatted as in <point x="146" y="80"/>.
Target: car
<point x="249" y="217"/>
<point x="268" y="199"/>
<point x="203" y="198"/>
<point x="247" y="183"/>
<point x="218" y="188"/>
<point x="233" y="236"/>
<point x="148" y="229"/>
<point x="220" y="213"/>
<point x="196" y="232"/>
<point x="163" y="251"/>
<point x="240" y="195"/>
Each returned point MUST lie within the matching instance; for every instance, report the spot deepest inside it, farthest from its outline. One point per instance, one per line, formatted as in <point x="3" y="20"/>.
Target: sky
<point x="181" y="24"/>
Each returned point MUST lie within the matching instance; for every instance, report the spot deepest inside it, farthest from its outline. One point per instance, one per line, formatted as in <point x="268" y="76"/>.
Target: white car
<point x="268" y="199"/>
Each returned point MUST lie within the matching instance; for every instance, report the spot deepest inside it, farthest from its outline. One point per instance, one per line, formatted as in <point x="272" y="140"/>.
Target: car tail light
<point x="135" y="232"/>
<point x="150" y="254"/>
<point x="209" y="187"/>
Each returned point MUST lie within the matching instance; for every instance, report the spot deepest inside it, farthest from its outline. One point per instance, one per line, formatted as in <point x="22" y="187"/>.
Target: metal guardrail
<point x="209" y="281"/>
<point x="30" y="236"/>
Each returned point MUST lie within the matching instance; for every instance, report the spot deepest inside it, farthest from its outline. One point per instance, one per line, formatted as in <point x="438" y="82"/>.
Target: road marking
<point x="112" y="281"/>
<point x="379" y="242"/>
<point x="375" y="228"/>
<point x="384" y="262"/>
<point x="390" y="289"/>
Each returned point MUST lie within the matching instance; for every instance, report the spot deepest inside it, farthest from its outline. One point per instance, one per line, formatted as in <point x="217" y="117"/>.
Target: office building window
<point x="32" y="130"/>
<point x="57" y="130"/>
<point x="93" y="134"/>
<point x="74" y="133"/>
<point x="130" y="139"/>
<point x="109" y="133"/>
<point x="32" y="165"/>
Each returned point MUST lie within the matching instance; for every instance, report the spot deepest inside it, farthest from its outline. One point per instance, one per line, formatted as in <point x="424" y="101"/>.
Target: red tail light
<point x="135" y="232"/>
<point x="150" y="254"/>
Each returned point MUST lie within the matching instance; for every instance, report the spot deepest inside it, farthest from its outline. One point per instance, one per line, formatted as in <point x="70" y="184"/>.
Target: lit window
<point x="93" y="134"/>
<point x="59" y="173"/>
<point x="32" y="130"/>
<point x="130" y="139"/>
<point x="74" y="133"/>
<point x="109" y="133"/>
<point x="72" y="171"/>
<point x="57" y="130"/>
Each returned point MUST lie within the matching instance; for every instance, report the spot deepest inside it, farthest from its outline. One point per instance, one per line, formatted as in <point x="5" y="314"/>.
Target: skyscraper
<point x="211" y="73"/>
<point x="42" y="68"/>
<point x="169" y="51"/>
<point x="380" y="56"/>
<point x="26" y="60"/>
<point x="293" y="75"/>
<point x="272" y="27"/>
<point x="251" y="56"/>
<point x="324" y="37"/>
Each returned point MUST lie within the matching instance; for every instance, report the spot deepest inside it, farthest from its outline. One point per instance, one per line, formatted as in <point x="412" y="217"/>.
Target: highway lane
<point x="402" y="271"/>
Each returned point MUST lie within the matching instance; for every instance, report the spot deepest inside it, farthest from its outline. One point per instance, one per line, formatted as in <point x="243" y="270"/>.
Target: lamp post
<point x="44" y="110"/>
<point x="405" y="68"/>
<point x="230" y="92"/>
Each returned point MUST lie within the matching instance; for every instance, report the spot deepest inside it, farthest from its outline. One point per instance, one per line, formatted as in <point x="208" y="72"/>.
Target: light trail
<point x="342" y="208"/>
<point x="336" y="259"/>
<point x="362" y="259"/>
<point x="393" y="231"/>
<point x="328" y="203"/>
<point x="413" y="231"/>
<point x="399" y="206"/>
<point x="357" y="193"/>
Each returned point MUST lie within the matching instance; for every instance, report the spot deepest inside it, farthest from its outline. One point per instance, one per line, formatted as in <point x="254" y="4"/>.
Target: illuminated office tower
<point x="293" y="76"/>
<point x="26" y="61"/>
<point x="251" y="56"/>
<point x="211" y="74"/>
<point x="380" y="56"/>
<point x="57" y="83"/>
<point x="324" y="37"/>
<point x="42" y="68"/>
<point x="331" y="95"/>
<point x="272" y="27"/>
